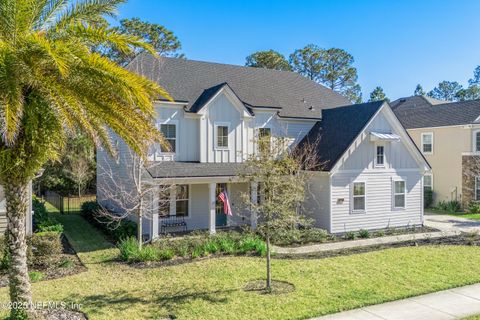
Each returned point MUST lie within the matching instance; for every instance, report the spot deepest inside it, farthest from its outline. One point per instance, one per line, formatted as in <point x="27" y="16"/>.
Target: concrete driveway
<point x="446" y="222"/>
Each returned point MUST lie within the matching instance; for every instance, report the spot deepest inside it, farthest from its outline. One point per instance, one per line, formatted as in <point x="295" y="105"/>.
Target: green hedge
<point x="43" y="222"/>
<point x="42" y="247"/>
<point x="193" y="246"/>
<point x="116" y="230"/>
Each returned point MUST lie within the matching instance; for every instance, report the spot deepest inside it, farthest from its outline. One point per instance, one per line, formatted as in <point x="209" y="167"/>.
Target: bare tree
<point x="79" y="170"/>
<point x="129" y="191"/>
<point x="279" y="172"/>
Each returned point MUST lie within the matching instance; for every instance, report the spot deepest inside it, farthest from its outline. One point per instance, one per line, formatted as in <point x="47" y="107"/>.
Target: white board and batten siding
<point x="335" y="189"/>
<point x="195" y="133"/>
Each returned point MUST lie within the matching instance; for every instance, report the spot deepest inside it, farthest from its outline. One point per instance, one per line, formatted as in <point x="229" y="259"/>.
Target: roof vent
<point x="403" y="100"/>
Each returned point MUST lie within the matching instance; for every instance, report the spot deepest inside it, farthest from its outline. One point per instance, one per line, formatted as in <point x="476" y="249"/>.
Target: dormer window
<point x="380" y="156"/>
<point x="221" y="135"/>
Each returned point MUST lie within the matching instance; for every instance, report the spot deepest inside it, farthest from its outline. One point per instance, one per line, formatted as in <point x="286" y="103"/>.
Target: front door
<point x="220" y="217"/>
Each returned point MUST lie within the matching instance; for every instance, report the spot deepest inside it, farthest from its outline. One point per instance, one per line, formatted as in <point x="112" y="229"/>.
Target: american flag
<point x="223" y="196"/>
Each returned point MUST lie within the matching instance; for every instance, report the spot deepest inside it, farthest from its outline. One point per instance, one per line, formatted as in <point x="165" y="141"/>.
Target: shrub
<point x="427" y="197"/>
<point x="43" y="222"/>
<point x="46" y="243"/>
<point x="474" y="207"/>
<point x="450" y="206"/>
<point x="350" y="235"/>
<point x="299" y="236"/>
<point x="364" y="234"/>
<point x="252" y="244"/>
<point x="128" y="248"/>
<point x="116" y="230"/>
<point x="166" y="254"/>
<point x="36" y="276"/>
<point x="50" y="225"/>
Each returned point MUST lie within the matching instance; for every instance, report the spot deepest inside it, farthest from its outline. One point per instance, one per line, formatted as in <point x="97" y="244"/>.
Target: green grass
<point x="472" y="216"/>
<point x="213" y="288"/>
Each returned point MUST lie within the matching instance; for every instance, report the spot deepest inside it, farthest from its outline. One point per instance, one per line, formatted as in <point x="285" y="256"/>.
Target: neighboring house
<point x="448" y="134"/>
<point x="3" y="212"/>
<point x="372" y="175"/>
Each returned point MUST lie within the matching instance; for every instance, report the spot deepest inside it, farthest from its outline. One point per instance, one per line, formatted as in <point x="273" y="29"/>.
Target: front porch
<point x="191" y="204"/>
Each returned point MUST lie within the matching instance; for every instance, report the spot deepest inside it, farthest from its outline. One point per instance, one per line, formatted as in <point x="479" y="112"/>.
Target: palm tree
<point x="51" y="84"/>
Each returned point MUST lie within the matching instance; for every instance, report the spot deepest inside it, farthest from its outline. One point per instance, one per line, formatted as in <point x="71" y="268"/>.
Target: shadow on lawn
<point x="162" y="305"/>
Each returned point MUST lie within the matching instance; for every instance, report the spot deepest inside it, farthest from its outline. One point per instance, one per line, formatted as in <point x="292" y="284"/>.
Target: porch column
<point x="253" y="212"/>
<point x="211" y="207"/>
<point x="156" y="208"/>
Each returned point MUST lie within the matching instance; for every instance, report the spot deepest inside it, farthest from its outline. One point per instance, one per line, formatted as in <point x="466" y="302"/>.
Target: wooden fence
<point x="67" y="204"/>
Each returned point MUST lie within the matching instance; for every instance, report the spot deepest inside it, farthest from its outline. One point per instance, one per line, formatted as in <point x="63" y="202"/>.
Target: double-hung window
<point x="427" y="142"/>
<point x="264" y="137"/>
<point x="477" y="141"/>
<point x="379" y="156"/>
<point x="221" y="133"/>
<point x="169" y="132"/>
<point x="477" y="188"/>
<point x="399" y="194"/>
<point x="359" y="196"/>
<point x="181" y="200"/>
<point x="428" y="181"/>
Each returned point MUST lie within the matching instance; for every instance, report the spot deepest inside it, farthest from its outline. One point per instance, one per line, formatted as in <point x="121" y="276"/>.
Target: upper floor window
<point x="169" y="132"/>
<point x="427" y="142"/>
<point x="359" y="196"/>
<point x="221" y="133"/>
<point x="380" y="156"/>
<point x="264" y="137"/>
<point x="399" y="195"/>
<point x="477" y="141"/>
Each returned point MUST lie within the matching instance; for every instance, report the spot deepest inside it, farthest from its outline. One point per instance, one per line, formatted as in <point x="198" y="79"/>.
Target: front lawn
<point x="213" y="288"/>
<point x="466" y="215"/>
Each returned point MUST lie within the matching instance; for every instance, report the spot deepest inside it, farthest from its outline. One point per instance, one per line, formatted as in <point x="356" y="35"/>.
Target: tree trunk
<point x="16" y="194"/>
<point x="140" y="231"/>
<point x="269" y="274"/>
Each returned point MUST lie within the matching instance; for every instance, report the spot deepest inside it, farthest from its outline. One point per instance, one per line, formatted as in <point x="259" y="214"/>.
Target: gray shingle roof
<point x="337" y="130"/>
<point x="413" y="113"/>
<point x="171" y="169"/>
<point x="189" y="81"/>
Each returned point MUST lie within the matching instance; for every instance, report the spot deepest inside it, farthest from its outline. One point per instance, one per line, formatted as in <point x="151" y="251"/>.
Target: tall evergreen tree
<point x="419" y="91"/>
<point x="331" y="67"/>
<point x="473" y="90"/>
<point x="377" y="95"/>
<point x="270" y="59"/>
<point x="446" y="90"/>
<point x="160" y="38"/>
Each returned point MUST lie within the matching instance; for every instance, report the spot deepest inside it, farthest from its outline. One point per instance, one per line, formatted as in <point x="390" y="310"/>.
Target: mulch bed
<point x="65" y="264"/>
<point x="61" y="314"/>
<point x="466" y="239"/>
<point x="278" y="287"/>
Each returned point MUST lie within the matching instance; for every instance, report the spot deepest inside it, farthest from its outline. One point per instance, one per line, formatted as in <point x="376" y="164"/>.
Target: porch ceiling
<point x="173" y="169"/>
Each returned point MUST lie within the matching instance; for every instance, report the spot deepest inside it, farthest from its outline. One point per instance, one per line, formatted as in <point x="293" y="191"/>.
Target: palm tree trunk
<point x="269" y="273"/>
<point x="16" y="194"/>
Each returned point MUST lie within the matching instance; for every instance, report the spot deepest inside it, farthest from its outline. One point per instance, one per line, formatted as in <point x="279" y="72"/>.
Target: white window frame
<point x="395" y="194"/>
<point x="431" y="179"/>
<point x="271" y="135"/>
<point x="352" y="197"/>
<point x="423" y="135"/>
<point x="215" y="134"/>
<point x="476" y="186"/>
<point x="475" y="132"/>
<point x="173" y="201"/>
<point x="375" y="159"/>
<point x="175" y="123"/>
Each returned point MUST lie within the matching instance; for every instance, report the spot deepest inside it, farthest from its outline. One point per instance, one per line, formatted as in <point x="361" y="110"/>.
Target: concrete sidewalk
<point x="449" y="304"/>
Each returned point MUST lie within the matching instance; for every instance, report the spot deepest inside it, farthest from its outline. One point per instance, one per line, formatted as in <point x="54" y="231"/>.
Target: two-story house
<point x="448" y="135"/>
<point x="372" y="177"/>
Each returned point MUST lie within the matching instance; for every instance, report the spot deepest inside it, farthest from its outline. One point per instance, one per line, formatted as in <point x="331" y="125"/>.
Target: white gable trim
<point x="232" y="97"/>
<point x="397" y="126"/>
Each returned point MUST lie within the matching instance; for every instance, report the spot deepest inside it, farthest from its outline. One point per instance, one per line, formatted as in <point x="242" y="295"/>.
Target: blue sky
<point x="396" y="44"/>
